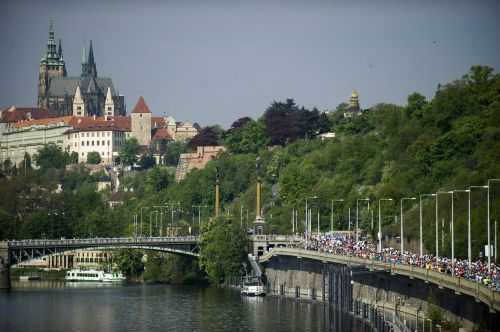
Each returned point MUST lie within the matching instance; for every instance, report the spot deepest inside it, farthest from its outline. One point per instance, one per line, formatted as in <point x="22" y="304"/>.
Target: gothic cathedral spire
<point x="88" y="65"/>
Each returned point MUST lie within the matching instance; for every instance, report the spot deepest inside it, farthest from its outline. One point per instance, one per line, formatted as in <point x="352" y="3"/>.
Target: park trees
<point x="129" y="151"/>
<point x="93" y="158"/>
<point x="222" y="249"/>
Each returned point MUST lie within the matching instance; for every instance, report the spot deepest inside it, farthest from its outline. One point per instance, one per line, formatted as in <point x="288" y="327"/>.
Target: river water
<point x="59" y="306"/>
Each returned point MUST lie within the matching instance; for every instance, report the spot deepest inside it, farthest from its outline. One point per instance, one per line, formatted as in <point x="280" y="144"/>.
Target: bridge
<point x="17" y="251"/>
<point x="458" y="285"/>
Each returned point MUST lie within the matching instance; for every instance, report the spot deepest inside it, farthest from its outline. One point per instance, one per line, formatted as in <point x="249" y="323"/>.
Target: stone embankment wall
<point x="399" y="300"/>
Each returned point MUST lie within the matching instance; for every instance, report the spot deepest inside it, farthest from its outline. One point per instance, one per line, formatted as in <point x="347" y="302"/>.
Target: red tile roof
<point x="141" y="106"/>
<point x="161" y="134"/>
<point x="117" y="123"/>
<point x="158" y="122"/>
<point x="43" y="122"/>
<point x="15" y="114"/>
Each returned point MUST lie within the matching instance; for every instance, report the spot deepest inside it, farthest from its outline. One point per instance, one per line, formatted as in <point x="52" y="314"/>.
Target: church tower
<point x="354" y="100"/>
<point x="89" y="68"/>
<point x="51" y="65"/>
<point x="78" y="103"/>
<point x="109" y="105"/>
<point x="141" y="122"/>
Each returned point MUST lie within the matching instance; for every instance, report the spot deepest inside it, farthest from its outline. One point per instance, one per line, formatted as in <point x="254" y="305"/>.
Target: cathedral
<point x="84" y="95"/>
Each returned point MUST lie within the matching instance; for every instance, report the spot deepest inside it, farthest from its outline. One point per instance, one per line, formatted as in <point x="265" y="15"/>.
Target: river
<point x="58" y="306"/>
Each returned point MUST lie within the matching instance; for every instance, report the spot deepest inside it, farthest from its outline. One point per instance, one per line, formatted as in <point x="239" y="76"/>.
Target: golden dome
<point x="354" y="94"/>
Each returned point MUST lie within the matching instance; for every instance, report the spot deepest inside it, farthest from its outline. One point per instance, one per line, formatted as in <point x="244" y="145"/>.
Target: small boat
<point x="93" y="275"/>
<point x="253" y="288"/>
<point x="114" y="277"/>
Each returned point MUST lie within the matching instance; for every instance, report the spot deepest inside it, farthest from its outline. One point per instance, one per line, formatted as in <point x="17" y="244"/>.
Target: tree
<point x="206" y="137"/>
<point x="222" y="249"/>
<point x="51" y="156"/>
<point x="173" y="152"/>
<point x="93" y="158"/>
<point x="249" y="138"/>
<point x="129" y="151"/>
<point x="158" y="179"/>
<point x="147" y="161"/>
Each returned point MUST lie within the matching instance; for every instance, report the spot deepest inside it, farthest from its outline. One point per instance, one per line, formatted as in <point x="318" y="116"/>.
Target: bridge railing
<point x="462" y="286"/>
<point x="98" y="241"/>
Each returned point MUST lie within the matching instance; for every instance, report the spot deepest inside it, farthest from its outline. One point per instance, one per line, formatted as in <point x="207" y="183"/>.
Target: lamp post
<point x="331" y="216"/>
<point x="307" y="217"/>
<point x="402" y="221"/>
<point x="489" y="222"/>
<point x="421" y="228"/>
<point x="468" y="225"/>
<point x="469" y="245"/>
<point x="379" y="235"/>
<point x="161" y="207"/>
<point x="144" y="207"/>
<point x="452" y="235"/>
<point x="357" y="215"/>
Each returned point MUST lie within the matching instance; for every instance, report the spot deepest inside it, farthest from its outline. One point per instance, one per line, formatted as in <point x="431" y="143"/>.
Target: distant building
<point x="198" y="160"/>
<point x="31" y="135"/>
<point x="353" y="109"/>
<point x="87" y="94"/>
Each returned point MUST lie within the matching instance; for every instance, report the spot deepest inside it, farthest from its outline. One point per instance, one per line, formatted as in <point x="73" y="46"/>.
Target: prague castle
<point x="94" y="95"/>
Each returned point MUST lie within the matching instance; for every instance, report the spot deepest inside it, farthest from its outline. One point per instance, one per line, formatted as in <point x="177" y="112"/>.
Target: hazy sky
<point x="215" y="61"/>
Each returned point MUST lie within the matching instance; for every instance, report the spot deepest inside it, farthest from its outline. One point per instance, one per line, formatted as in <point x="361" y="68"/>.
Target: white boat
<point x="114" y="277"/>
<point x="93" y="275"/>
<point x="254" y="288"/>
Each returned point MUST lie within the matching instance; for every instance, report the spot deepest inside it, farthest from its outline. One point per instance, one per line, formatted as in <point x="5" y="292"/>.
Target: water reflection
<point x="58" y="306"/>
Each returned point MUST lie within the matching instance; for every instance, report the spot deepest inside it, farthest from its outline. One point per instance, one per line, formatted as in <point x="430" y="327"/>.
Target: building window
<point x="83" y="143"/>
<point x="108" y="141"/>
<point x="97" y="142"/>
<point x="92" y="143"/>
<point x="109" y="108"/>
<point x="103" y="143"/>
<point x="79" y="108"/>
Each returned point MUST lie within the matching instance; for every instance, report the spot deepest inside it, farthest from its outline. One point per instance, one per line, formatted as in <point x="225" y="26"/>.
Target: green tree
<point x="51" y="156"/>
<point x="146" y="161"/>
<point x="93" y="158"/>
<point x="129" y="151"/>
<point x="223" y="247"/>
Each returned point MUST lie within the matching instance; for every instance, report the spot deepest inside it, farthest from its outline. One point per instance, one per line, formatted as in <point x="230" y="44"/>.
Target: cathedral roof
<point x="141" y="106"/>
<point x="60" y="86"/>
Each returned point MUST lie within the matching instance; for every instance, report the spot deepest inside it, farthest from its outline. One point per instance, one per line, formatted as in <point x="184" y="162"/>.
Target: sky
<point x="214" y="61"/>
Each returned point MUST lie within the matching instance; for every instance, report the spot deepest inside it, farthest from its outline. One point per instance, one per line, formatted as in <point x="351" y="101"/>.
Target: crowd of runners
<point x="344" y="245"/>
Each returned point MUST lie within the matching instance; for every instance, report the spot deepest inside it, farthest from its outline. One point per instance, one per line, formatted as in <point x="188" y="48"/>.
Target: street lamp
<point x="308" y="217"/>
<point x="452" y="234"/>
<point x="144" y="207"/>
<point x="331" y="216"/>
<point x="488" y="219"/>
<point x="468" y="224"/>
<point x="421" y="231"/>
<point x="469" y="238"/>
<point x="357" y="215"/>
<point x="402" y="221"/>
<point x="379" y="235"/>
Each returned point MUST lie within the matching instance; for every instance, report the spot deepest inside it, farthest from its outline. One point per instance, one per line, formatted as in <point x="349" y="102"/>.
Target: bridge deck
<point x="457" y="284"/>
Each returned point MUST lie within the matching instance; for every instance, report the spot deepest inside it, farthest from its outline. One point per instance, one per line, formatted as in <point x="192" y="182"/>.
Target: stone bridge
<point x="17" y="251"/>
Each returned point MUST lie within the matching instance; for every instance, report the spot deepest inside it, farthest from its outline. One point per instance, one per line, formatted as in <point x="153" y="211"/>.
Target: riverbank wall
<point x="401" y="301"/>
